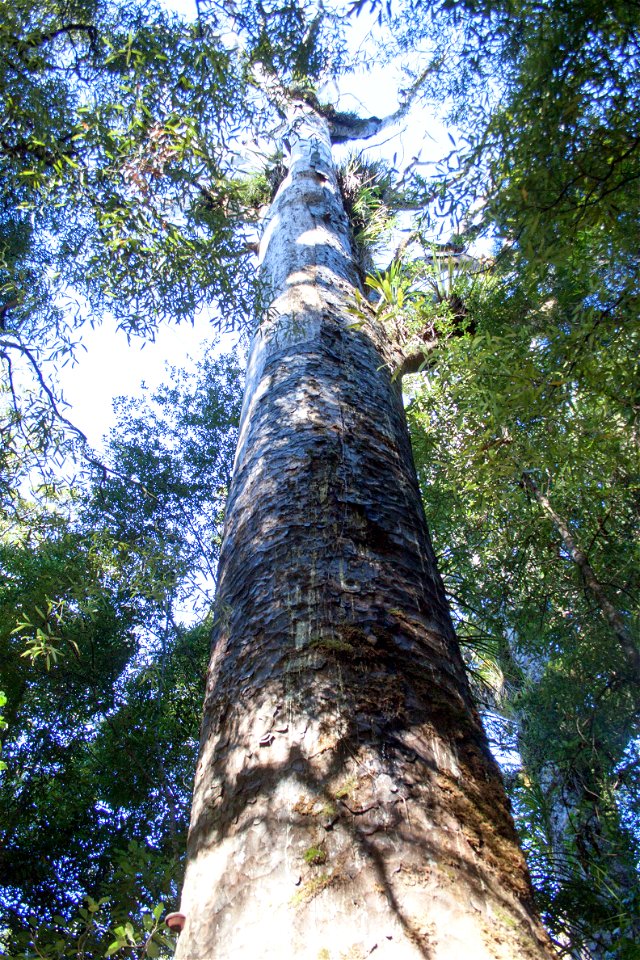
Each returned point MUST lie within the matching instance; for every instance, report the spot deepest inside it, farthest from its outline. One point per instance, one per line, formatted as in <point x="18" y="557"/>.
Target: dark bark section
<point x="326" y="547"/>
<point x="330" y="608"/>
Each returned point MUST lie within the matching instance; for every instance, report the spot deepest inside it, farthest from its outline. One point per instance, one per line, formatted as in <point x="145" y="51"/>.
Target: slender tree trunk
<point x="345" y="801"/>
<point x="627" y="646"/>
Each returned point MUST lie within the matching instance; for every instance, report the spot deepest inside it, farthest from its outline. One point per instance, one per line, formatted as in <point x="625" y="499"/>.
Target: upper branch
<point x="348" y="126"/>
<point x="343" y="126"/>
<point x="41" y="37"/>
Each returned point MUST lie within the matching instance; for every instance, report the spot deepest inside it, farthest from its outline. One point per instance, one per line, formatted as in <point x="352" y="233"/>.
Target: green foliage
<point x="297" y="43"/>
<point x="420" y="304"/>
<point x="103" y="153"/>
<point x="368" y="194"/>
<point x="315" y="856"/>
<point x="509" y="74"/>
<point x="3" y="726"/>
<point x="114" y="119"/>
<point x="545" y="388"/>
<point x="100" y="741"/>
<point x="85" y="933"/>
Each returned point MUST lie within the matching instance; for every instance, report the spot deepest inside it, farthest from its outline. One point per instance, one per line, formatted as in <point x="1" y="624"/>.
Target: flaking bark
<point x="345" y="801"/>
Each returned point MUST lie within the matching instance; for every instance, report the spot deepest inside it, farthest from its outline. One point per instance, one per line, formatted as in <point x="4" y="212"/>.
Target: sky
<point x="108" y="366"/>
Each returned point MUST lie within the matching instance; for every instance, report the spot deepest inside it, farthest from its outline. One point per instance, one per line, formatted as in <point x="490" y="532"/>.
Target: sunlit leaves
<point x="114" y="119"/>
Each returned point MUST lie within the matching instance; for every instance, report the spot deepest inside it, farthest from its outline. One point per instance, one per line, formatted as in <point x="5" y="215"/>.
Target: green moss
<point x="332" y="643"/>
<point x="507" y="920"/>
<point x="346" y="788"/>
<point x="310" y="889"/>
<point x="315" y="856"/>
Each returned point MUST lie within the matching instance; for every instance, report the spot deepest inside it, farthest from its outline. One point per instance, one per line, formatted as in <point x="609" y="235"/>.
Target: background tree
<point x="103" y="679"/>
<point x="535" y="630"/>
<point x="115" y="154"/>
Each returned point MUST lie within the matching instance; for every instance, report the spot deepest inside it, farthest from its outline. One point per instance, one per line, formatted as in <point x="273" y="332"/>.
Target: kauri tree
<point x="345" y="796"/>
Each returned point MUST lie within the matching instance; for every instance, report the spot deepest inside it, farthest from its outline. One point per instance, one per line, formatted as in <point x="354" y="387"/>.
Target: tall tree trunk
<point x="345" y="801"/>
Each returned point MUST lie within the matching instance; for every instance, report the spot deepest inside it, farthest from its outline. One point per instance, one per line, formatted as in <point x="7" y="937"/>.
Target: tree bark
<point x="346" y="801"/>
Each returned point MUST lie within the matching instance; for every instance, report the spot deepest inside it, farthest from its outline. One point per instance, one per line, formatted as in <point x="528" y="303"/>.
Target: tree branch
<point x="348" y="126"/>
<point x="46" y="36"/>
<point x="46" y="389"/>
<point x="60" y="417"/>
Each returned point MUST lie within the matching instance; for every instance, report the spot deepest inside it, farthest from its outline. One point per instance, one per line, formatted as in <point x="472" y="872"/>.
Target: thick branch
<point x="418" y="359"/>
<point x="343" y="126"/>
<point x="348" y="126"/>
<point x="609" y="612"/>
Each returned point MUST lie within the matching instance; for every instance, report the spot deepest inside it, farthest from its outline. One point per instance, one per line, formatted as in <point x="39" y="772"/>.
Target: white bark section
<point x="306" y="264"/>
